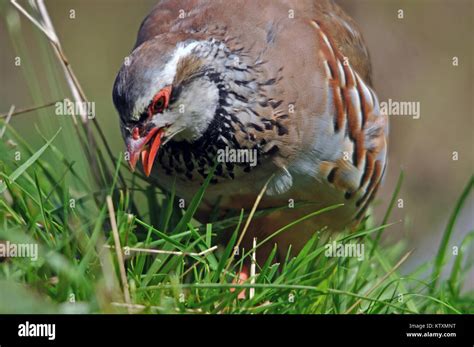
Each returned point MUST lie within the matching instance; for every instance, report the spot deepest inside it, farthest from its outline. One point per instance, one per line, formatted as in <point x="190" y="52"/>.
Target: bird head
<point x="164" y="91"/>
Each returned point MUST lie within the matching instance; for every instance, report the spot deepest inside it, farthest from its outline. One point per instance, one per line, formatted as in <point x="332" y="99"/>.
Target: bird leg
<point x="241" y="278"/>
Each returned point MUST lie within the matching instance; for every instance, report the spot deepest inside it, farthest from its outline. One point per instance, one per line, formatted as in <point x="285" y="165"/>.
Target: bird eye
<point x="158" y="105"/>
<point x="160" y="101"/>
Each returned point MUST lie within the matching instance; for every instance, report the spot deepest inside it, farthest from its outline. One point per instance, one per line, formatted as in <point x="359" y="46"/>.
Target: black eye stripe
<point x="175" y="92"/>
<point x="143" y="117"/>
<point x="159" y="104"/>
<point x="133" y="122"/>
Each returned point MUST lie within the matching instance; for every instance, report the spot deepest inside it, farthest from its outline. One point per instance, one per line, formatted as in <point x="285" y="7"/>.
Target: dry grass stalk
<point x="90" y="146"/>
<point x="123" y="274"/>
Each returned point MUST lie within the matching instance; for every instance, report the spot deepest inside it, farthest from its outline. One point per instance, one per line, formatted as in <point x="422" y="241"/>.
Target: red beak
<point x="146" y="147"/>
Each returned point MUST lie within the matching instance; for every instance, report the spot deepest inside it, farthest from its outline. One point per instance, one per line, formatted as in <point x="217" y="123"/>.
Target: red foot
<point x="242" y="276"/>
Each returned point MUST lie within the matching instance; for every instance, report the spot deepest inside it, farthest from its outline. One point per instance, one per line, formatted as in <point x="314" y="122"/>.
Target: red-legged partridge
<point x="288" y="80"/>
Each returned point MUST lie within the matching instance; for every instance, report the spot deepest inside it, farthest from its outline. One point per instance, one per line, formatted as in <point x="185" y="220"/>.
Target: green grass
<point x="74" y="265"/>
<point x="56" y="196"/>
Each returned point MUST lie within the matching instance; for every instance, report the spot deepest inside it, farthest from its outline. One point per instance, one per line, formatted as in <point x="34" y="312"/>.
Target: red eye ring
<point x="160" y="101"/>
<point x="158" y="105"/>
